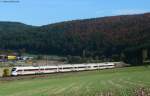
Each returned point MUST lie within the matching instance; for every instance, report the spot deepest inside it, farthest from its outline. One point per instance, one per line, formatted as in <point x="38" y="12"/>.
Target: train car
<point x="60" y="68"/>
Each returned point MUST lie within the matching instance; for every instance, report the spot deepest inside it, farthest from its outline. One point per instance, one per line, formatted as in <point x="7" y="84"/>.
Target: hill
<point x="103" y="37"/>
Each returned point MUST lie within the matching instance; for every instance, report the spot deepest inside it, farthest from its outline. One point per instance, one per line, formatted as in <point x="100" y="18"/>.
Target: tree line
<point x="122" y="36"/>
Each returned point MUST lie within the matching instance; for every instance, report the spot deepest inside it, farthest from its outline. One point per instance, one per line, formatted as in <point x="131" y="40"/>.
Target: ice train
<point x="60" y="68"/>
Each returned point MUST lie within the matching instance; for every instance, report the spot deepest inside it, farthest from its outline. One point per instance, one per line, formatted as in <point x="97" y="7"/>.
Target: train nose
<point x="14" y="73"/>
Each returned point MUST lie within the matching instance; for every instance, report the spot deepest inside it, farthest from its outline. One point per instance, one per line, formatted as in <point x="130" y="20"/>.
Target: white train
<point x="60" y="68"/>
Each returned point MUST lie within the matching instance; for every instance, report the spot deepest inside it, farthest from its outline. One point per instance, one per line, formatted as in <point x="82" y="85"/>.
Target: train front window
<point x="14" y="69"/>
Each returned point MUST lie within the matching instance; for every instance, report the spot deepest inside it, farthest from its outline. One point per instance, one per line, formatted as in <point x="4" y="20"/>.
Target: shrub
<point x="76" y="59"/>
<point x="39" y="57"/>
<point x="6" y="73"/>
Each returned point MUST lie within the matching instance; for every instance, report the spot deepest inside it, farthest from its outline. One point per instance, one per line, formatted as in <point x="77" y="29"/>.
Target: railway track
<point x="35" y="76"/>
<point x="12" y="78"/>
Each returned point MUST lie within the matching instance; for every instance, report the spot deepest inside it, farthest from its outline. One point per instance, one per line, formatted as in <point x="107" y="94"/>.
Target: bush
<point x="39" y="57"/>
<point x="116" y="58"/>
<point x="76" y="59"/>
<point x="6" y="73"/>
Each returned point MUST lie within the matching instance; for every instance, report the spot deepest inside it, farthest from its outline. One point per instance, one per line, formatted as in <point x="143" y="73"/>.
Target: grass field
<point x="112" y="82"/>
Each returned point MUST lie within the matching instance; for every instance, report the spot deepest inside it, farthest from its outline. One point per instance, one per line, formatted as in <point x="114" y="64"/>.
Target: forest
<point x="106" y="37"/>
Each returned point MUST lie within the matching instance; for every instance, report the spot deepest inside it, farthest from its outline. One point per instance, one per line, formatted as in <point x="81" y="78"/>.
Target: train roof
<point x="68" y="65"/>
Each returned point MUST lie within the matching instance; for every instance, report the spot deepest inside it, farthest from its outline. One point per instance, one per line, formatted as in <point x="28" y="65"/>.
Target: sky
<point x="42" y="12"/>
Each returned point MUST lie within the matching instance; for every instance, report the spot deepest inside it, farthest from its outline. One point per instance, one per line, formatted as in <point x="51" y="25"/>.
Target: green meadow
<point x="128" y="81"/>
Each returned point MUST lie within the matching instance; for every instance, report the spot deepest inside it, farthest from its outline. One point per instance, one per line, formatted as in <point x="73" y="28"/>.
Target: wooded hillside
<point x="103" y="37"/>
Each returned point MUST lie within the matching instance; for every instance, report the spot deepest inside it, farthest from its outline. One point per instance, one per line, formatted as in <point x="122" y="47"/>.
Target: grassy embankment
<point x="117" y="82"/>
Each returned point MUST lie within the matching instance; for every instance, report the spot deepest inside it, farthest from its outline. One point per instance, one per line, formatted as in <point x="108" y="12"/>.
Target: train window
<point x="31" y="69"/>
<point x="19" y="70"/>
<point x="50" y="68"/>
<point x="14" y="69"/>
<point x="82" y="67"/>
<point x="67" y="67"/>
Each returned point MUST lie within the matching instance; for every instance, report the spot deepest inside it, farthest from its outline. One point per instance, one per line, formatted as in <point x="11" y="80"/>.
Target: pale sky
<point x="42" y="12"/>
